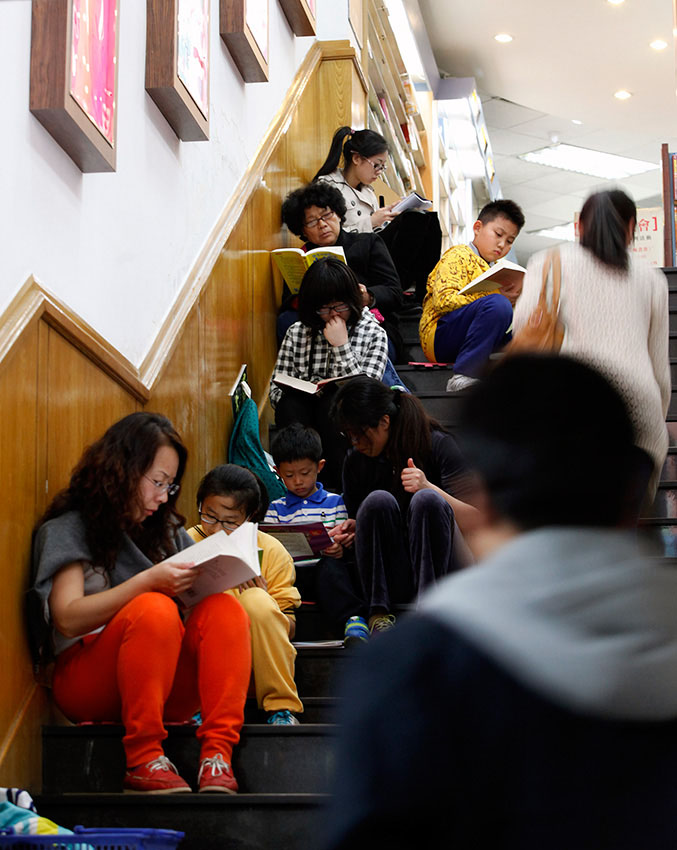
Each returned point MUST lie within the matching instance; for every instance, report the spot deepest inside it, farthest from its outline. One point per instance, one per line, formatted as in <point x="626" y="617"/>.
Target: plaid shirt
<point x="365" y="352"/>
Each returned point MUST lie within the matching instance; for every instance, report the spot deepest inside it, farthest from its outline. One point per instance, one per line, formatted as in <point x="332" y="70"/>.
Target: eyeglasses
<point x="164" y="486"/>
<point x="313" y="223"/>
<point x="378" y="166"/>
<point x="333" y="308"/>
<point x="228" y="526"/>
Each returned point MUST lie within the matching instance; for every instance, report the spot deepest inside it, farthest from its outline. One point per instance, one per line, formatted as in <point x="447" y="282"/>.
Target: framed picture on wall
<point x="177" y="64"/>
<point x="301" y="15"/>
<point x="244" y="29"/>
<point x="73" y="87"/>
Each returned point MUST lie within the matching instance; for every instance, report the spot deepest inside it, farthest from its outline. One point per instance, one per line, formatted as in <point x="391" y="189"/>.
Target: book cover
<point x="293" y="263"/>
<point x="301" y="540"/>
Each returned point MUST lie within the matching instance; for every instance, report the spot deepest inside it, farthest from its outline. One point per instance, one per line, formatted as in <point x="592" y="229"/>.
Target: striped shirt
<point x="306" y="354"/>
<point x="320" y="506"/>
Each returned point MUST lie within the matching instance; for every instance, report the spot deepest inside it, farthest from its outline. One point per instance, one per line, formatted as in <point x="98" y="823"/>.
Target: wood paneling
<point x="61" y="385"/>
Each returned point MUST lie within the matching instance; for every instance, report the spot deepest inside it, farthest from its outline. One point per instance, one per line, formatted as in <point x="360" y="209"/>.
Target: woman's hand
<point x="367" y="297"/>
<point x="336" y="331"/>
<point x="172" y="578"/>
<point x="413" y="479"/>
<point x="382" y="215"/>
<point x="343" y="533"/>
<point x="257" y="581"/>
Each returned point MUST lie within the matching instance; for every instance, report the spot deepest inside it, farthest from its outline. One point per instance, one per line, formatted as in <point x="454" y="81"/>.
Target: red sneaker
<point x="216" y="775"/>
<point x="157" y="777"/>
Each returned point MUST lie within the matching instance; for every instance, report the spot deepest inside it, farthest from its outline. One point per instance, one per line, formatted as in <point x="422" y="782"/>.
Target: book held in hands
<point x="310" y="387"/>
<point x="293" y="263"/>
<point x="224" y="561"/>
<point x="301" y="540"/>
<point x="502" y="274"/>
<point x="414" y="201"/>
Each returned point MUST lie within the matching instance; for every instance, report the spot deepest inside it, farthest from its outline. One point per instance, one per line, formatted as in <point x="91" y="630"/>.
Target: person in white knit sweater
<point x="615" y="312"/>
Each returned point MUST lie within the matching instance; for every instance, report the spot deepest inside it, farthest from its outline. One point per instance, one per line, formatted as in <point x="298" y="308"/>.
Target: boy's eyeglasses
<point x="312" y="224"/>
<point x="378" y="166"/>
<point x="332" y="308"/>
<point x="164" y="487"/>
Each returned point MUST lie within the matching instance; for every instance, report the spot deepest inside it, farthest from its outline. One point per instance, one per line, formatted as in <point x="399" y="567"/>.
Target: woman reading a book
<point x="355" y="161"/>
<point x="123" y="653"/>
<point x="316" y="213"/>
<point x="404" y="486"/>
<point x="336" y="337"/>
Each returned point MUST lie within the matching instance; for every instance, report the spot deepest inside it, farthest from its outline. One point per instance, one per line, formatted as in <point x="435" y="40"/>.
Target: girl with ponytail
<point x="615" y="311"/>
<point x="404" y="486"/>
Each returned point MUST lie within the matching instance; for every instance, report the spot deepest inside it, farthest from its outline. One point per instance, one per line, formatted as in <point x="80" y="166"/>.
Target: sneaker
<point x="216" y="775"/>
<point x="157" y="777"/>
<point x="356" y="631"/>
<point x="284" y="717"/>
<point x="382" y="624"/>
<point x="460" y="382"/>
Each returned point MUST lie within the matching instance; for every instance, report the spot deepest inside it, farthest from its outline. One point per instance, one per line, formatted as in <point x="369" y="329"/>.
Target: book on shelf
<point x="224" y="561"/>
<point x="310" y="387"/>
<point x="414" y="201"/>
<point x="502" y="274"/>
<point x="293" y="263"/>
<point x="302" y="540"/>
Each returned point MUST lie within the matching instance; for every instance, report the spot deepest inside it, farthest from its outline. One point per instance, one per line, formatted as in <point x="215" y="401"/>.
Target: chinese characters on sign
<point x="648" y="244"/>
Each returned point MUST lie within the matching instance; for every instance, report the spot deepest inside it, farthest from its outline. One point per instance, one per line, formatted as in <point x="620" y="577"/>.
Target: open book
<point x="293" y="263"/>
<point x="301" y="540"/>
<point x="225" y="561"/>
<point x="501" y="274"/>
<point x="310" y="387"/>
<point x="412" y="202"/>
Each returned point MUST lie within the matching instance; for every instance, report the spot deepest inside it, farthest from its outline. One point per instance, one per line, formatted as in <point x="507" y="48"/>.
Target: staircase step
<point x="665" y="502"/>
<point x="661" y="534"/>
<point x="316" y="710"/>
<point x="443" y="406"/>
<point x="210" y="821"/>
<point x="672" y="352"/>
<point x="317" y="669"/>
<point x="669" y="471"/>
<point x="268" y="759"/>
<point x="425" y="378"/>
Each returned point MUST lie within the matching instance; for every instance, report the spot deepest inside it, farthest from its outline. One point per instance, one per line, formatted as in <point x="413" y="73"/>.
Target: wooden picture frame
<point x="74" y="77"/>
<point x="177" y="33"/>
<point x="301" y="15"/>
<point x="242" y="28"/>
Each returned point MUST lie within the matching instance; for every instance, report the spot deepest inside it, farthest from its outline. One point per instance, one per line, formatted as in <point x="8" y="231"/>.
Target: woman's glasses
<point x="313" y="223"/>
<point x="164" y="486"/>
<point x="322" y="312"/>
<point x="378" y="166"/>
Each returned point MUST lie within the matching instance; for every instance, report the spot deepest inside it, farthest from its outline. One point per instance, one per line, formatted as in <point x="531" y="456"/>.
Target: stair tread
<point x="112" y="798"/>
<point x="248" y="729"/>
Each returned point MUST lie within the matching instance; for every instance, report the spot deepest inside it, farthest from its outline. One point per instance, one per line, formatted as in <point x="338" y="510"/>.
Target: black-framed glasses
<point x="313" y="223"/>
<point x="333" y="308"/>
<point x="164" y="486"/>
<point x="211" y="520"/>
<point x="378" y="166"/>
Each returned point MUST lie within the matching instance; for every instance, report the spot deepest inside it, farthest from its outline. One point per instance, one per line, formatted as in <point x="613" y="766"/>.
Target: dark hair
<point x="604" y="222"/>
<point x="241" y="484"/>
<point x="296" y="442"/>
<point x="104" y="489"/>
<point x="325" y="281"/>
<point x="503" y="208"/>
<point x="366" y="143"/>
<point x="363" y="402"/>
<point x="313" y="195"/>
<point x="553" y="443"/>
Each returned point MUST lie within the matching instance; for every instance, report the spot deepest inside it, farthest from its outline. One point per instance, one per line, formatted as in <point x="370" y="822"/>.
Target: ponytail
<point x="366" y="143"/>
<point x="604" y="222"/>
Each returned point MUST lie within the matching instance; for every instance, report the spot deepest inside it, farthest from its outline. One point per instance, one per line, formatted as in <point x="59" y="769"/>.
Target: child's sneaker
<point x="157" y="777"/>
<point x="381" y="624"/>
<point x="356" y="631"/>
<point x="284" y="717"/>
<point x="216" y="775"/>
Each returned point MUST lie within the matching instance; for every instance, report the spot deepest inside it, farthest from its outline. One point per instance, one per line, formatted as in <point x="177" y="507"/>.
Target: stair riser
<point x="426" y="380"/>
<point x="664" y="505"/>
<point x="317" y="672"/>
<point x="669" y="471"/>
<point x="263" y="763"/>
<point x="446" y="407"/>
<point x="209" y="824"/>
<point x="673" y="347"/>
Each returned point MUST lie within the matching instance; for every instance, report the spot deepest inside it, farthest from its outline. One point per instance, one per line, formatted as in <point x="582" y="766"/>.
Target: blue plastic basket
<point x="96" y="839"/>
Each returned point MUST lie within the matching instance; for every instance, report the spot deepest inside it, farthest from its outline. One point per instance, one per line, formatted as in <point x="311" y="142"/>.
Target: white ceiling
<point x="566" y="61"/>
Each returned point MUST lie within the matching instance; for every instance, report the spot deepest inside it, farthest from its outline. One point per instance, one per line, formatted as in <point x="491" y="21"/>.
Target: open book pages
<point x="301" y="540"/>
<point x="311" y="387"/>
<point x="224" y="561"/>
<point x="414" y="201"/>
<point x="293" y="263"/>
<point x="502" y="274"/>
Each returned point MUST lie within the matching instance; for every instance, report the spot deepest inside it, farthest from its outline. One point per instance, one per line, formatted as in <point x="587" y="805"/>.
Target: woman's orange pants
<point x="146" y="666"/>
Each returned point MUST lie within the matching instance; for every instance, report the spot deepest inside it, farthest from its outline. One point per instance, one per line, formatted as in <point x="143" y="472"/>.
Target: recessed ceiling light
<point x="616" y="2"/>
<point x="658" y="44"/>
<point x="503" y="37"/>
<point x="586" y="161"/>
<point x="622" y="94"/>
<point x="576" y="121"/>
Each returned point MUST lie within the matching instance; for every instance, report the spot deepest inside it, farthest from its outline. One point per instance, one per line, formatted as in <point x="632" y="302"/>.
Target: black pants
<point x="414" y="241"/>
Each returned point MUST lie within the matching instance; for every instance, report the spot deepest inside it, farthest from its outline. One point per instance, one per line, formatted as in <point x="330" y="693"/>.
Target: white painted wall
<point x="116" y="248"/>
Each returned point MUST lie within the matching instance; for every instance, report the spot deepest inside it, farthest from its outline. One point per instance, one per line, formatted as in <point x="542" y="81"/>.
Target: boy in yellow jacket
<point x="465" y="329"/>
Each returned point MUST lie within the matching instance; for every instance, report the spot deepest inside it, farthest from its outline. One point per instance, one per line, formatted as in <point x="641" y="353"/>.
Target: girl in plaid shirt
<point x="335" y="337"/>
